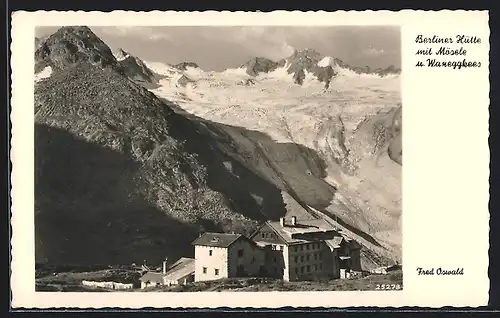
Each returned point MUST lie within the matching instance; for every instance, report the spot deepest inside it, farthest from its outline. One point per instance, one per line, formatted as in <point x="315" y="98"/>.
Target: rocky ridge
<point x="309" y="61"/>
<point x="70" y="46"/>
<point x="135" y="180"/>
<point x="134" y="67"/>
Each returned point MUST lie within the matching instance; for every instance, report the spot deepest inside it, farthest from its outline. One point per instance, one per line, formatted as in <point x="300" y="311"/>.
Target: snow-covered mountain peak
<point x="326" y="61"/>
<point x="120" y="54"/>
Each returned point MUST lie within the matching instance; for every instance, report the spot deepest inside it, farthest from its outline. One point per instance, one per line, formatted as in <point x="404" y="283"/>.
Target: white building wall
<point x="218" y="260"/>
<point x="286" y="258"/>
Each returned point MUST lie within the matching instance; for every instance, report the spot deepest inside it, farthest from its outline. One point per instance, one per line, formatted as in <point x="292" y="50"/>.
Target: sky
<point x="216" y="48"/>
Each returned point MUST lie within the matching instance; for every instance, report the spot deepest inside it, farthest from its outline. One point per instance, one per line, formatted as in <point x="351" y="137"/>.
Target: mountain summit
<point x="134" y="67"/>
<point x="307" y="62"/>
<point x="120" y="54"/>
<point x="259" y="65"/>
<point x="70" y="46"/>
<point x="299" y="64"/>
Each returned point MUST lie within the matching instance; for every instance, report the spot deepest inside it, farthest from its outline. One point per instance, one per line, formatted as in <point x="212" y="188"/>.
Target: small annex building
<point x="179" y="273"/>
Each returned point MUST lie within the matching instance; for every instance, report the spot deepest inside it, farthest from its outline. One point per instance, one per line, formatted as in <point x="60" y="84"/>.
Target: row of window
<point x="269" y="235"/>
<point x="308" y="268"/>
<point x="309" y="246"/>
<point x="216" y="271"/>
<point x="307" y="257"/>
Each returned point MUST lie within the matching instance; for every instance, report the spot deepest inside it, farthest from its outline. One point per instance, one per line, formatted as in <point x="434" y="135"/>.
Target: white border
<point x="446" y="160"/>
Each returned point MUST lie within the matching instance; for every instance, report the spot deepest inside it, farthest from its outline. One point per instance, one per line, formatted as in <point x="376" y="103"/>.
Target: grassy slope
<point x="71" y="281"/>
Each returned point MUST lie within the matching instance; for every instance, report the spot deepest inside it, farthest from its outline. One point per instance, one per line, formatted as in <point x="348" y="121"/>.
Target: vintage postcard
<point x="244" y="159"/>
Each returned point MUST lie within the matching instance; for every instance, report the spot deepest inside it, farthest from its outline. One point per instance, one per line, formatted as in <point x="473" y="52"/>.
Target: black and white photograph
<point x="236" y="160"/>
<point x="218" y="158"/>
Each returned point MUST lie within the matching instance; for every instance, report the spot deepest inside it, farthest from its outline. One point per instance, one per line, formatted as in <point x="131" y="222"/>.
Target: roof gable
<point x="261" y="234"/>
<point x="335" y="242"/>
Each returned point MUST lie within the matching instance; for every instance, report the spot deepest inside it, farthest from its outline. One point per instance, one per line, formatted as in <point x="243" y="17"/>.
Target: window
<point x="210" y="253"/>
<point x="295" y="248"/>
<point x="320" y="266"/>
<point x="315" y="256"/>
<point x="302" y="269"/>
<point x="308" y="268"/>
<point x="240" y="252"/>
<point x="307" y="246"/>
<point x="296" y="270"/>
<point x="302" y="247"/>
<point x="216" y="272"/>
<point x="320" y="256"/>
<point x="301" y="258"/>
<point x="296" y="259"/>
<point x="263" y="235"/>
<point x="274" y="259"/>
<point x="315" y="267"/>
<point x="204" y="270"/>
<point x="307" y="256"/>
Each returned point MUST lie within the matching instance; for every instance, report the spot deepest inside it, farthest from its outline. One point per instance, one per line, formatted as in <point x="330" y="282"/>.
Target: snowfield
<point x="45" y="73"/>
<point x="368" y="185"/>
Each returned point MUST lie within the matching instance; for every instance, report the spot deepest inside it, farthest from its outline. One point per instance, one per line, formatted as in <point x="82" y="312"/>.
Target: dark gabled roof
<point x="217" y="239"/>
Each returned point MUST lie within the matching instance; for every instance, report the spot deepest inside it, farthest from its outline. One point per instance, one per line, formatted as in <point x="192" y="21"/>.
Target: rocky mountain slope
<point x="120" y="177"/>
<point x="211" y="150"/>
<point x="134" y="68"/>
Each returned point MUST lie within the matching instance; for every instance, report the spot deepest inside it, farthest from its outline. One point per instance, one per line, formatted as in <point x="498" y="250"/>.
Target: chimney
<point x="282" y="222"/>
<point x="165" y="266"/>
<point x="294" y="220"/>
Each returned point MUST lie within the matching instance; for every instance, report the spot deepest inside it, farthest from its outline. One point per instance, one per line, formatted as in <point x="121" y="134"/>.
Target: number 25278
<point x="387" y="287"/>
